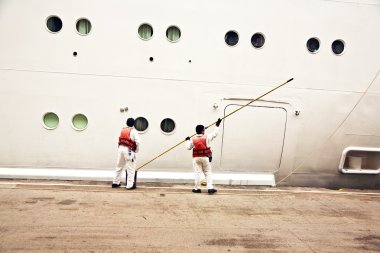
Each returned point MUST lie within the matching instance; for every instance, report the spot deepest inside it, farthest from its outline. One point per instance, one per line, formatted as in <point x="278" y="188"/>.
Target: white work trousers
<point x="125" y="157"/>
<point x="202" y="165"/>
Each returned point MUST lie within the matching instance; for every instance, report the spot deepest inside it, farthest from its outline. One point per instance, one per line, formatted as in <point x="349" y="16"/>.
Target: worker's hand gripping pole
<point x="166" y="151"/>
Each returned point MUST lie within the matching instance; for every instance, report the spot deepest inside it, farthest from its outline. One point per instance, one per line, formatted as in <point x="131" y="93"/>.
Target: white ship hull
<point x="301" y="130"/>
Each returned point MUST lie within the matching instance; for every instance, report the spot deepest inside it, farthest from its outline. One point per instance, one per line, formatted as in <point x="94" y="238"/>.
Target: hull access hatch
<point x="253" y="139"/>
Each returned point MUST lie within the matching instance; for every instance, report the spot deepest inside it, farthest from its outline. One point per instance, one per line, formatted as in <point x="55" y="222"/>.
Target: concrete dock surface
<point x="89" y="216"/>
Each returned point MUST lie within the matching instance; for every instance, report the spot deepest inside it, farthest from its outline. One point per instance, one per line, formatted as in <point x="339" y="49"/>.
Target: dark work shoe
<point x="116" y="185"/>
<point x="196" y="190"/>
<point x="212" y="191"/>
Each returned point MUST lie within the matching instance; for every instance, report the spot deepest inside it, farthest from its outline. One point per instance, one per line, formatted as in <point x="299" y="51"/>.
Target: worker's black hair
<point x="199" y="129"/>
<point x="130" y="122"/>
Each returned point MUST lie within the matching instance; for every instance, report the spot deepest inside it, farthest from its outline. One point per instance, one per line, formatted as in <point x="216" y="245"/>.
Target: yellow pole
<point x="166" y="151"/>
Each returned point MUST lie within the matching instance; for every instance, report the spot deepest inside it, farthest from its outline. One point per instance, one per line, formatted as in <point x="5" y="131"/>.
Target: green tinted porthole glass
<point x="50" y="120"/>
<point x="83" y="26"/>
<point x="80" y="122"/>
<point x="145" y="31"/>
<point x="173" y="33"/>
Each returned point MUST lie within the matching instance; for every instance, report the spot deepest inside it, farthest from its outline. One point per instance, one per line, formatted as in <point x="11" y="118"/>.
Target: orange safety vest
<point x="125" y="138"/>
<point x="200" y="147"/>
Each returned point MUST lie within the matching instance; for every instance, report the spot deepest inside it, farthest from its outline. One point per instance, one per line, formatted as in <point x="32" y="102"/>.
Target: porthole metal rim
<point x="46" y="26"/>
<point x="237" y="35"/>
<point x="43" y="123"/>
<point x="344" y="50"/>
<point x="173" y="41"/>
<point x="144" y="131"/>
<point x="139" y="34"/>
<point x="265" y="39"/>
<point x="174" y="130"/>
<point x="72" y="122"/>
<point x="82" y="34"/>
<point x="320" y="44"/>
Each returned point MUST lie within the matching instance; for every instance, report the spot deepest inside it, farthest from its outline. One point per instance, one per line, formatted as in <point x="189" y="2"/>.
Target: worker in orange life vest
<point x="129" y="143"/>
<point x="202" y="156"/>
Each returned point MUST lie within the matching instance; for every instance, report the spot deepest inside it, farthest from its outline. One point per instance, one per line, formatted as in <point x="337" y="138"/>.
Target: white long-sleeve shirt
<point x="136" y="138"/>
<point x="209" y="138"/>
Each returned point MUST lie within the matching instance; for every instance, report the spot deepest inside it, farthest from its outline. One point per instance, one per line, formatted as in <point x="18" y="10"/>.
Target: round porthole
<point x="312" y="45"/>
<point x="50" y="120"/>
<point x="54" y="24"/>
<point x="83" y="26"/>
<point x="258" y="40"/>
<point x="79" y="122"/>
<point x="231" y="38"/>
<point x="338" y="47"/>
<point x="145" y="31"/>
<point x="173" y="34"/>
<point x="141" y="124"/>
<point x="167" y="125"/>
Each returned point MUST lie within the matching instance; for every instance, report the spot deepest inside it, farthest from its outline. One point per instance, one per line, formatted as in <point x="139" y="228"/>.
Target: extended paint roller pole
<point x="291" y="79"/>
<point x="166" y="151"/>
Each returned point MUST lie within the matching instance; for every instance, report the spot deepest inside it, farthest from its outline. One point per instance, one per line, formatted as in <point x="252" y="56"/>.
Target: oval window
<point x="258" y="40"/>
<point x="145" y="31"/>
<point x="141" y="124"/>
<point x="167" y="125"/>
<point x="54" y="24"/>
<point x="312" y="45"/>
<point x="173" y="33"/>
<point x="338" y="47"/>
<point x="83" y="26"/>
<point x="79" y="122"/>
<point x="50" y="120"/>
<point x="231" y="38"/>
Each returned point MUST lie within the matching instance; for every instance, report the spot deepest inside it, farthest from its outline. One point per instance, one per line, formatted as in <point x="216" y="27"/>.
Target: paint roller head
<point x="291" y="79"/>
